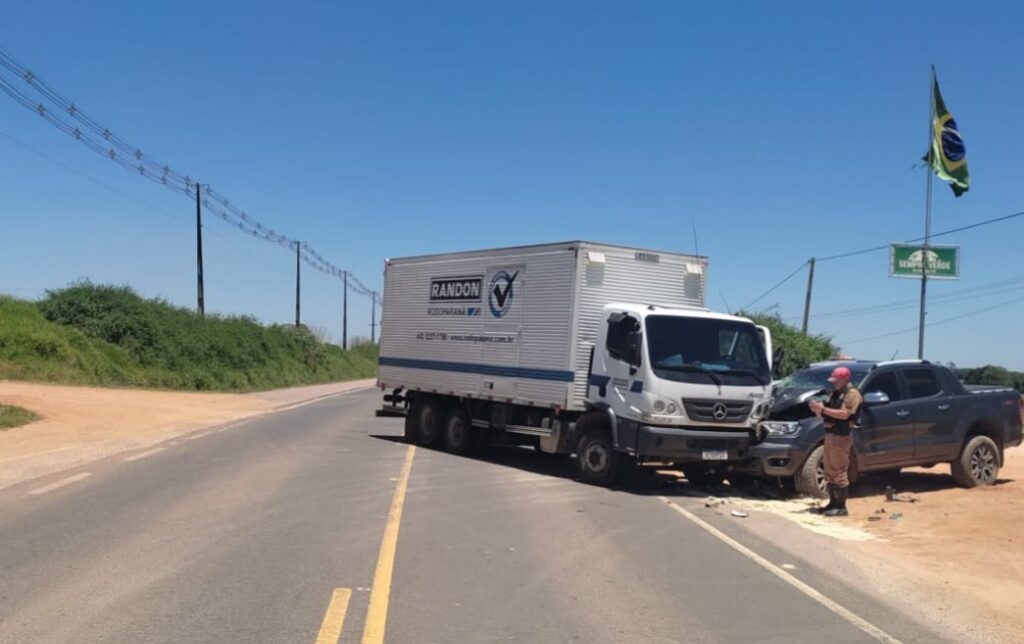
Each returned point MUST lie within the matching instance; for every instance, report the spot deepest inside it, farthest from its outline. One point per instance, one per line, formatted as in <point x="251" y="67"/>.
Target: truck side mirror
<point x="876" y="398"/>
<point x="634" y="348"/>
<point x="777" y="358"/>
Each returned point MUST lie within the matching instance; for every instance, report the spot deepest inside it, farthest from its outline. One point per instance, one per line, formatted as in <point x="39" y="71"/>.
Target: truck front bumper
<point x="685" y="445"/>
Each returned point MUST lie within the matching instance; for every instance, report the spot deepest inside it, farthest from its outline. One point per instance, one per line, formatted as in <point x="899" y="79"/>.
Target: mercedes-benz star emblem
<point x="719" y="411"/>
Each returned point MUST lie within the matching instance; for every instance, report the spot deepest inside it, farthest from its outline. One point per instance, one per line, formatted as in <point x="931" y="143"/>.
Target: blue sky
<point x="783" y="130"/>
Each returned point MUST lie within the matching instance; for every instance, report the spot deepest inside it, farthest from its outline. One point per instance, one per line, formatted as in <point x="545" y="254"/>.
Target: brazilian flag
<point x="948" y="157"/>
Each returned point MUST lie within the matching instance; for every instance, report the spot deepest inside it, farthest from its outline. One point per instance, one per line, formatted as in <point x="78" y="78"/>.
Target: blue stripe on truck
<point x="483" y="369"/>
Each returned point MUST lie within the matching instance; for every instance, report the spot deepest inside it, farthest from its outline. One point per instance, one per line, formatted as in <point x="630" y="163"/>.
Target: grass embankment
<point x="110" y="336"/>
<point x="11" y="416"/>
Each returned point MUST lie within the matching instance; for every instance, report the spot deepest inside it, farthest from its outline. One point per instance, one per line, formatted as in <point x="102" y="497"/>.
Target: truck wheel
<point x="978" y="463"/>
<point x="810" y="479"/>
<point x="430" y="419"/>
<point x="596" y="459"/>
<point x="458" y="432"/>
<point x="412" y="428"/>
<point x="703" y="475"/>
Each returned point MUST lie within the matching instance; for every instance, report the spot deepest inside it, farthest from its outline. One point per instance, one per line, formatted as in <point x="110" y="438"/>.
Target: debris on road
<point x="739" y="513"/>
<point x="896" y="516"/>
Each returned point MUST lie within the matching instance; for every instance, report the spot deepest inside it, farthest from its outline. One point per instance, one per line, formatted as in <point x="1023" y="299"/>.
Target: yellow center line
<point x="330" y="630"/>
<point x="377" y="613"/>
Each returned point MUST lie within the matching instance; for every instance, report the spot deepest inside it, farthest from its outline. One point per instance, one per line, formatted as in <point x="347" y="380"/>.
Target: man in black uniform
<point x="839" y="414"/>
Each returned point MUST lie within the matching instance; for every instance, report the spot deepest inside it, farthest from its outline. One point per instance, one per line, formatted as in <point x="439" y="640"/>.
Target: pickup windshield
<point x="706" y="350"/>
<point x="817" y="377"/>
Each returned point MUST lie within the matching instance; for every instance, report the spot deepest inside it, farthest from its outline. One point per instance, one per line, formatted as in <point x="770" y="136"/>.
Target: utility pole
<point x="298" y="273"/>
<point x="344" y="311"/>
<point x="373" y="316"/>
<point x="807" y="300"/>
<point x="927" y="218"/>
<point x="201" y="304"/>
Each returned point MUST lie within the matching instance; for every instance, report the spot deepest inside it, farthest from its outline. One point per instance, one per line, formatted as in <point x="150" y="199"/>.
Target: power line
<point x="772" y="289"/>
<point x="936" y="323"/>
<point x="983" y="290"/>
<point x="120" y="193"/>
<point x="67" y="117"/>
<point x="959" y="229"/>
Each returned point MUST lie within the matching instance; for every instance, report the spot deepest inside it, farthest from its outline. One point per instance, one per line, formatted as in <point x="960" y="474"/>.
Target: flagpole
<point x="927" y="216"/>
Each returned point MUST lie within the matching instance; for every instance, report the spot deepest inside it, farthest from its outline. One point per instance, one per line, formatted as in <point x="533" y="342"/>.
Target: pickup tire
<point x="459" y="435"/>
<point x="978" y="463"/>
<point x="597" y="462"/>
<point x="430" y="419"/>
<point x="809" y="480"/>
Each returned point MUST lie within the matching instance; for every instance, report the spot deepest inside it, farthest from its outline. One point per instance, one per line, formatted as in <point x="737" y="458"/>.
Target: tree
<point x="801" y="349"/>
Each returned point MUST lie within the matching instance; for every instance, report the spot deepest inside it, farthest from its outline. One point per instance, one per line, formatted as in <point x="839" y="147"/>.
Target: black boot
<point x="831" y="500"/>
<point x="839" y="510"/>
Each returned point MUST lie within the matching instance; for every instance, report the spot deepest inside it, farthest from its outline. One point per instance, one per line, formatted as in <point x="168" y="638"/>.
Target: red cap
<point x="839" y="373"/>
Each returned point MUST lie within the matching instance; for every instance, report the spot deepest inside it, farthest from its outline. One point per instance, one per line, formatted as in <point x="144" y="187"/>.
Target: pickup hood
<point x="791" y="404"/>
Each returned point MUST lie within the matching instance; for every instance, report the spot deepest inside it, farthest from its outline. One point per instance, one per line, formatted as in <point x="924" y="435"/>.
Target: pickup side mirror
<point x="876" y="398"/>
<point x="777" y="358"/>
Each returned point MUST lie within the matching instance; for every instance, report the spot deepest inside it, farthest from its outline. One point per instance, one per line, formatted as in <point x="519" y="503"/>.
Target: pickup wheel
<point x="430" y="417"/>
<point x="597" y="462"/>
<point x="978" y="463"/>
<point x="810" y="478"/>
<point x="458" y="433"/>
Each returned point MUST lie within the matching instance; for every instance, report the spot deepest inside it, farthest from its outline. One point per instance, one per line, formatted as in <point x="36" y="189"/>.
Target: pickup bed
<point x="915" y="414"/>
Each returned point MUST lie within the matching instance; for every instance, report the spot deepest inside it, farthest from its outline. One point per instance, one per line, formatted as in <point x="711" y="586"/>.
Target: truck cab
<point x="674" y="384"/>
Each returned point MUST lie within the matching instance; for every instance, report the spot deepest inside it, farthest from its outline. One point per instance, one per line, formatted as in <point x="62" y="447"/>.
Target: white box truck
<point x="599" y="350"/>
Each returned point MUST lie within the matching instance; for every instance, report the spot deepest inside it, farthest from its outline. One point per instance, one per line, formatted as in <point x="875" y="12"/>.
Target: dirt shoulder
<point x="82" y="424"/>
<point x="956" y="553"/>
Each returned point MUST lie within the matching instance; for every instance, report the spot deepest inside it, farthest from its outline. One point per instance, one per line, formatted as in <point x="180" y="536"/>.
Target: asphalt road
<point x="244" y="535"/>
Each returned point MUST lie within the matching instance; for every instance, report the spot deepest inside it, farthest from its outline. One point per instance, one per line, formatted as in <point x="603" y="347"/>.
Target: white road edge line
<point x="833" y="606"/>
<point x="61" y="483"/>
<point x="142" y="455"/>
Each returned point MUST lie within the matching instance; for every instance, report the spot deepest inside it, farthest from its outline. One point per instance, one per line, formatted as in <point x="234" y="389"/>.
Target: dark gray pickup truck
<point x="915" y="414"/>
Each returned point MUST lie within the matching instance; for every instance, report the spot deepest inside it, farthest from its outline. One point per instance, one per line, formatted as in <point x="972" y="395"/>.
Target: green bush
<point x="11" y="416"/>
<point x="801" y="349"/>
<point x="109" y="335"/>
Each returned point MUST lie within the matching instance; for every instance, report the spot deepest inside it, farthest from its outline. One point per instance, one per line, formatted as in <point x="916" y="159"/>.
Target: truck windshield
<point x="701" y="350"/>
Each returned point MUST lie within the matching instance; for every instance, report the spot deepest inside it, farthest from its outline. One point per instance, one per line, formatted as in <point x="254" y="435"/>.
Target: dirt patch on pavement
<point x="82" y="424"/>
<point x="955" y="552"/>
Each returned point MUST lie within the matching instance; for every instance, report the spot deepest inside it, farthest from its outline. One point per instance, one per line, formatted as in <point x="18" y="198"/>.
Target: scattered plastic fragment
<point x="739" y="513"/>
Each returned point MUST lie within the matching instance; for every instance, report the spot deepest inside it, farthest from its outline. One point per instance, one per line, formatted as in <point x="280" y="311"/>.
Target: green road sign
<point x="943" y="261"/>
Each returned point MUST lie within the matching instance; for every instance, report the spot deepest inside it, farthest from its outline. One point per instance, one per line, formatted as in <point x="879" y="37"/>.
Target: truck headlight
<point x="781" y="428"/>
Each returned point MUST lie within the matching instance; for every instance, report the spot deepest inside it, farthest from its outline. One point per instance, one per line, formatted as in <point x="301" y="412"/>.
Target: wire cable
<point x="57" y="110"/>
<point x="936" y="323"/>
<point x="772" y="289"/>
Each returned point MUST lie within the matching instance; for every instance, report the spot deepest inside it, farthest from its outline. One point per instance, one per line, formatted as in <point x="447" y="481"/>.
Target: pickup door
<point x="886" y="435"/>
<point x="934" y="415"/>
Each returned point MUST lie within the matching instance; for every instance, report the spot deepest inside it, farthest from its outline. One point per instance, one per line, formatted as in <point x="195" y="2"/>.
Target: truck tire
<point x="810" y="478"/>
<point x="430" y="421"/>
<point x="597" y="462"/>
<point x="459" y="435"/>
<point x="978" y="463"/>
<point x="412" y="427"/>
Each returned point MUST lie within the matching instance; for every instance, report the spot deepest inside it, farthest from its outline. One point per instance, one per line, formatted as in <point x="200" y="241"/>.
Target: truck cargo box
<point x="517" y="324"/>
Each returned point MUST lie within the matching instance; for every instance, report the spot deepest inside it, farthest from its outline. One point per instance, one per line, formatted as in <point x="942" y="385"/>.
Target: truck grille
<point x="735" y="411"/>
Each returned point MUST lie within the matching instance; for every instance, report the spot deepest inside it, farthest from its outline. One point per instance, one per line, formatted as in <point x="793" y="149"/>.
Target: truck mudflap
<point x="685" y="445"/>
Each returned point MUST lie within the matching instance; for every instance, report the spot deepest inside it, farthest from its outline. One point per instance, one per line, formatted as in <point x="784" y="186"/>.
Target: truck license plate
<point x="715" y="455"/>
